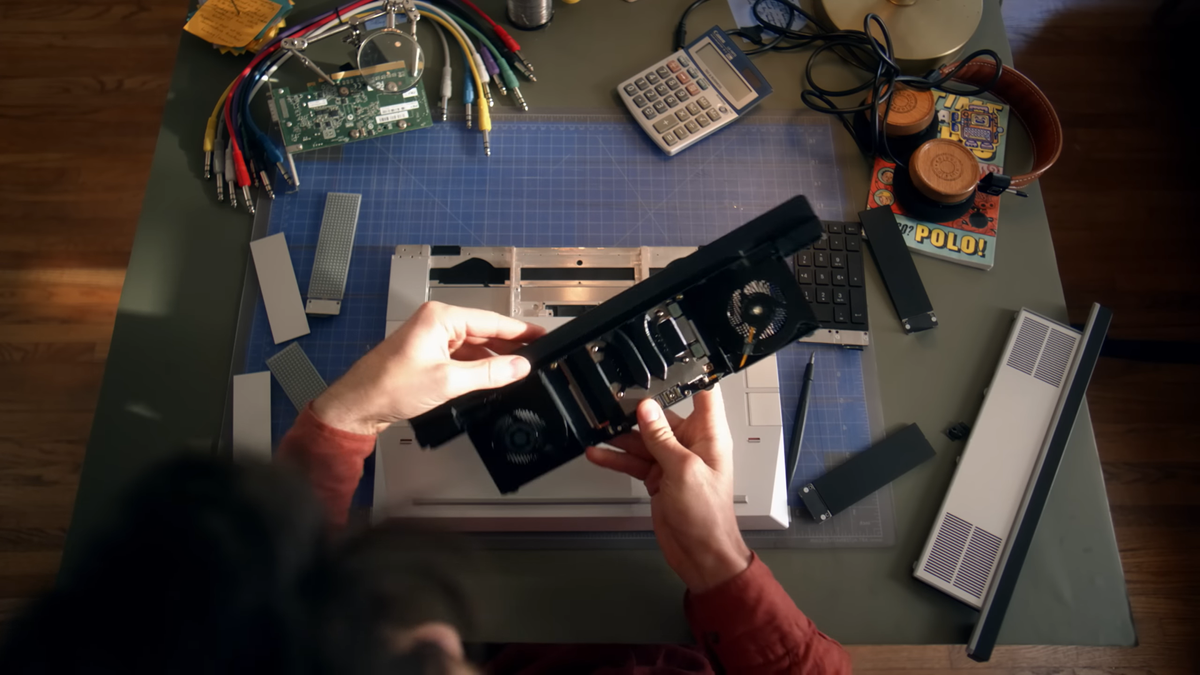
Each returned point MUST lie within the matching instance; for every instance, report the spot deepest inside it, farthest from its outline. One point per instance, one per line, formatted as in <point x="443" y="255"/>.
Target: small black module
<point x="898" y="270"/>
<point x="866" y="472"/>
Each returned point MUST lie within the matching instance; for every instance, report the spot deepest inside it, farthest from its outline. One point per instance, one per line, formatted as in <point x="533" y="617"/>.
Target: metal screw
<point x="595" y="349"/>
<point x="805" y="490"/>
<point x="823" y="516"/>
<point x="906" y="326"/>
<point x="620" y="394"/>
<point x="933" y="318"/>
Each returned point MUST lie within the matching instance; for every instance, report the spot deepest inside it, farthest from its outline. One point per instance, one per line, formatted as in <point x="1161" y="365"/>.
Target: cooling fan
<point x="761" y="314"/>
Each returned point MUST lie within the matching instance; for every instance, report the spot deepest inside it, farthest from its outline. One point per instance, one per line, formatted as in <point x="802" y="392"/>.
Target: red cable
<point x="500" y="32"/>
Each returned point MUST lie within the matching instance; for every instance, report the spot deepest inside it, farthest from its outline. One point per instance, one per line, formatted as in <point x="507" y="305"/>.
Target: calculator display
<point x="725" y="75"/>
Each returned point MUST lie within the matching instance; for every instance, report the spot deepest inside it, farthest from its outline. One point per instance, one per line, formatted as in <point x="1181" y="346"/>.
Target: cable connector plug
<point x="208" y="164"/>
<point x="520" y="100"/>
<point x="247" y="199"/>
<point x="266" y="183"/>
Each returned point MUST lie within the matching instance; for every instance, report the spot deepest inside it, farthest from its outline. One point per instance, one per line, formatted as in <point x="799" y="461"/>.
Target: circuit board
<point x="326" y="115"/>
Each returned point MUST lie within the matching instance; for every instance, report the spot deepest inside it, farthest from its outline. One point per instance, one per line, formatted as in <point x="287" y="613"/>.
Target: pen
<point x="799" y="423"/>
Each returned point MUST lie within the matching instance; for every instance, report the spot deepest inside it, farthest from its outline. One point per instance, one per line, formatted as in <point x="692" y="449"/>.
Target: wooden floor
<point x="80" y="101"/>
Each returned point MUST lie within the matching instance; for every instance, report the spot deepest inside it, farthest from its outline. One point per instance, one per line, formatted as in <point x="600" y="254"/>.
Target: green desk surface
<point x="165" y="387"/>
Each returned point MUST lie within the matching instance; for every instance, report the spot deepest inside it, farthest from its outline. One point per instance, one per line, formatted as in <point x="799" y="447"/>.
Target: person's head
<point x="215" y="568"/>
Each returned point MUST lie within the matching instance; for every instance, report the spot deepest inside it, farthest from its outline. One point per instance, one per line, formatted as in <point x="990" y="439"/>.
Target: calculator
<point x="695" y="92"/>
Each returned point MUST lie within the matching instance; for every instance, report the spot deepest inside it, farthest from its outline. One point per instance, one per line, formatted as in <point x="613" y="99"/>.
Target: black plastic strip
<point x="445" y="249"/>
<point x="871" y="469"/>
<point x="569" y="310"/>
<point x="577" y="274"/>
<point x="898" y="270"/>
<point x="473" y="271"/>
<point x="995" y="606"/>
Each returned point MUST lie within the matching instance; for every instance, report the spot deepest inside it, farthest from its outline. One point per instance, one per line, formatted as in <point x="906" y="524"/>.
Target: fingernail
<point x="652" y="411"/>
<point x="520" y="367"/>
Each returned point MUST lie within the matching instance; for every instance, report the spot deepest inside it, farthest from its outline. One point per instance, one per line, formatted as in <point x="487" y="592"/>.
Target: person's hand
<point x="440" y="353"/>
<point x="687" y="467"/>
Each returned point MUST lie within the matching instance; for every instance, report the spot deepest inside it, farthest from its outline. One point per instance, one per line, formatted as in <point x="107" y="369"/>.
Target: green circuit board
<point x="325" y="115"/>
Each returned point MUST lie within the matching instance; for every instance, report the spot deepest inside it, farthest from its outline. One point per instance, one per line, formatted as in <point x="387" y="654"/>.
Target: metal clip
<point x="297" y="45"/>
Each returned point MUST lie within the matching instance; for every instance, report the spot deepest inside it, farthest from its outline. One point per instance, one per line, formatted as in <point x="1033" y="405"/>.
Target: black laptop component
<point x="713" y="313"/>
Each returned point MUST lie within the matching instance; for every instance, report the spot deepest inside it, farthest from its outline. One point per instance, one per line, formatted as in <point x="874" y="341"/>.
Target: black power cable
<point x="861" y="50"/>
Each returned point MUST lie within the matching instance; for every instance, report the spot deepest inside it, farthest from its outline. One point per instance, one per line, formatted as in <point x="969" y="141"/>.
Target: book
<point x="981" y="125"/>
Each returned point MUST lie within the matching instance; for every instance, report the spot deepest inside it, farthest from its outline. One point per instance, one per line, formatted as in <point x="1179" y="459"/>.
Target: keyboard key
<point x="693" y="108"/>
<point x="649" y="113"/>
<point x="823" y="296"/>
<point x="703" y="84"/>
<point x="695" y="74"/>
<point x="804" y="259"/>
<point x="810" y="294"/>
<point x="837" y="259"/>
<point x="651" y="78"/>
<point x="639" y="101"/>
<point x="681" y="133"/>
<point x="820" y="258"/>
<point x="824" y="314"/>
<point x="692" y="126"/>
<point x="652" y="96"/>
<point x="683" y="78"/>
<point x="704" y="104"/>
<point x="673" y="66"/>
<point x="821" y="244"/>
<point x="841" y="314"/>
<point x="670" y="139"/>
<point x="693" y="89"/>
<point x="804" y="275"/>
<point x="682" y="115"/>
<point x="683" y="61"/>
<point x="714" y="115"/>
<point x="853" y="243"/>
<point x="837" y="242"/>
<point x="642" y="83"/>
<point x="841" y="296"/>
<point x="682" y="95"/>
<point x="663" y="72"/>
<point x="853" y="228"/>
<point x="662" y="90"/>
<point x="854" y="269"/>
<point x="631" y="89"/>
<point x="671" y="101"/>
<point x="838" y="277"/>
<point x="660" y="106"/>
<point x="673" y="84"/>
<point x="703" y="121"/>
<point x="834" y="227"/>
<point x="858" y="305"/>
<point x="668" y="122"/>
<point x="822" y="277"/>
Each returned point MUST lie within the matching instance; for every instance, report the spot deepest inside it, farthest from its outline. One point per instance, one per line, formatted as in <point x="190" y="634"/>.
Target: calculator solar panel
<point x="830" y="274"/>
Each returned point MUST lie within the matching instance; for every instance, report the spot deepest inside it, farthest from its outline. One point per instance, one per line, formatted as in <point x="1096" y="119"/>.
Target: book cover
<point x="981" y="125"/>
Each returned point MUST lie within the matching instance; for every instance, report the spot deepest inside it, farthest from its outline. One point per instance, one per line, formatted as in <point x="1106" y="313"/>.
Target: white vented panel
<point x="995" y="467"/>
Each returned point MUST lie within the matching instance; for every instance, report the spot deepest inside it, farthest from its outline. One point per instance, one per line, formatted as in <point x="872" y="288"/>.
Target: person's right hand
<point x="687" y="467"/>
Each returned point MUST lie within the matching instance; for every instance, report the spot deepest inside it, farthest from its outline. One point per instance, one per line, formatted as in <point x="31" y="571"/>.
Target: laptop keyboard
<point x="830" y="274"/>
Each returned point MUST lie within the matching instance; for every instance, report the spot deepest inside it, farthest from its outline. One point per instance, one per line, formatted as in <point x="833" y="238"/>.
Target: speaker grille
<point x="1027" y="345"/>
<point x="976" y="566"/>
<point x="1056" y="356"/>
<point x="948" y="547"/>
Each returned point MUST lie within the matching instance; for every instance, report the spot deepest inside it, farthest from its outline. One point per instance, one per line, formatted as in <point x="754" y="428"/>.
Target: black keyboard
<point x="831" y="275"/>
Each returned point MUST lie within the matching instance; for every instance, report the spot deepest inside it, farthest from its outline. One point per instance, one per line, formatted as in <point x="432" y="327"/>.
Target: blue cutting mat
<point x="559" y="180"/>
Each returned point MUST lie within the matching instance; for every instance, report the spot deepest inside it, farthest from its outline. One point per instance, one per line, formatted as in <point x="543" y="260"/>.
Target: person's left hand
<point x="440" y="353"/>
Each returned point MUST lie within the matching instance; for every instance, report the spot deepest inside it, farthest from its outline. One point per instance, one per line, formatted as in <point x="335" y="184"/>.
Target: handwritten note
<point x="233" y="23"/>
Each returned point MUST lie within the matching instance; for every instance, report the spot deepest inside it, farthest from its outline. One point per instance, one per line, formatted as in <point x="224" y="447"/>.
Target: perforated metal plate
<point x="296" y="374"/>
<point x="327" y="284"/>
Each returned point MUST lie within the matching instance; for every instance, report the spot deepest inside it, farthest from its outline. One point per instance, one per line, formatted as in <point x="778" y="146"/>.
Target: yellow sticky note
<point x="233" y="23"/>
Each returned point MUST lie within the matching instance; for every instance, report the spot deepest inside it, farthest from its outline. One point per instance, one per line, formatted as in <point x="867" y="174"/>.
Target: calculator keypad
<point x="673" y="95"/>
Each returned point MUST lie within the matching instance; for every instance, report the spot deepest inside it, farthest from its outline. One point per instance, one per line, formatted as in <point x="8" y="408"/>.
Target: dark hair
<point x="217" y="568"/>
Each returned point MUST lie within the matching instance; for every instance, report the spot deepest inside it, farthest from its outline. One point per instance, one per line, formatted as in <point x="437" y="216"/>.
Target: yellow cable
<point x="210" y="132"/>
<point x="485" y="120"/>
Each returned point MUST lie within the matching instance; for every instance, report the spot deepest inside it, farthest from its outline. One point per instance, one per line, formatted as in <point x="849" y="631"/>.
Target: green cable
<point x="510" y="78"/>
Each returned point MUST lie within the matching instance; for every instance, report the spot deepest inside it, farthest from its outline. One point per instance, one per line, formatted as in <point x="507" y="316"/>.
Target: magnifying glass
<point x="390" y="60"/>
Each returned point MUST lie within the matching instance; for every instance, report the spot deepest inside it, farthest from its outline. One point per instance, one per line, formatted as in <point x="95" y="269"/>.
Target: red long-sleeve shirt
<point x="748" y="624"/>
